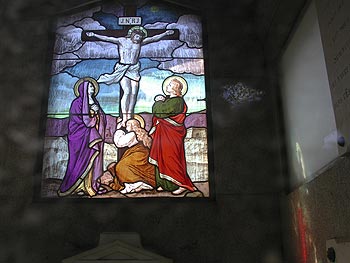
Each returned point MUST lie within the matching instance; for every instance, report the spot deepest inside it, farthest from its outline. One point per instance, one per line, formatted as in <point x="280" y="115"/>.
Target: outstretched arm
<point x="156" y="38"/>
<point x="103" y="38"/>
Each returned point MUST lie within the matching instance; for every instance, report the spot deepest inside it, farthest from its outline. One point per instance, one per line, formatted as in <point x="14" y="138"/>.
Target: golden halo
<point x="138" y="28"/>
<point x="181" y="79"/>
<point x="93" y="81"/>
<point x="140" y="119"/>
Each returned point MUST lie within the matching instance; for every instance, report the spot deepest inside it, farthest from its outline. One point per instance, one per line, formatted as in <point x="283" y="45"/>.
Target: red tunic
<point x="168" y="151"/>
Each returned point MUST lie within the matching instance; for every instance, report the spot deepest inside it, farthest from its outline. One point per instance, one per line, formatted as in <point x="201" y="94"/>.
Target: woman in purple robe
<point x="86" y="133"/>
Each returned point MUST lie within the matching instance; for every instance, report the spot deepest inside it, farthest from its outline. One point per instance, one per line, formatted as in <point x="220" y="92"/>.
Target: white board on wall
<point x="334" y="20"/>
<point x="308" y="111"/>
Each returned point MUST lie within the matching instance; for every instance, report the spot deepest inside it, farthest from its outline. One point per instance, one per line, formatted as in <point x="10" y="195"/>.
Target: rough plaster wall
<point x="324" y="205"/>
<point x="242" y="224"/>
<point x="318" y="210"/>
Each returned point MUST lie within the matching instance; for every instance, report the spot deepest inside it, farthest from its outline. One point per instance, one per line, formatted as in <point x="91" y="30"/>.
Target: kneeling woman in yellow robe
<point x="133" y="173"/>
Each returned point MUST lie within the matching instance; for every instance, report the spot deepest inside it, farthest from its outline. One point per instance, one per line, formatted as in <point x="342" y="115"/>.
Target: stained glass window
<point x="127" y="115"/>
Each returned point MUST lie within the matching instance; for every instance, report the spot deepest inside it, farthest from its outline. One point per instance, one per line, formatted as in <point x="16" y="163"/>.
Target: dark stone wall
<point x="241" y="224"/>
<point x="317" y="211"/>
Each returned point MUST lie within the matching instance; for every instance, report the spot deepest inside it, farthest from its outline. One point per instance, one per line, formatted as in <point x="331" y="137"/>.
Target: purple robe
<point x="85" y="144"/>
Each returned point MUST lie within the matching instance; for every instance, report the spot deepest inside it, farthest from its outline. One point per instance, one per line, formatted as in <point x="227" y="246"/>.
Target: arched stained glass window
<point x="126" y="112"/>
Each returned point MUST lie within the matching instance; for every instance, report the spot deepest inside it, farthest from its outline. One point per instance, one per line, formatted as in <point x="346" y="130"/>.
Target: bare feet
<point x="179" y="191"/>
<point x="160" y="189"/>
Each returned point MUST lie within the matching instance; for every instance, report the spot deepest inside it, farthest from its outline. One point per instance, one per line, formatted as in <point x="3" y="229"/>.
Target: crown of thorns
<point x="138" y="29"/>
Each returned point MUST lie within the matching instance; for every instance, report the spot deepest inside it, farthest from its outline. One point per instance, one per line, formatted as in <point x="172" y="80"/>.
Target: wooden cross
<point x="129" y="11"/>
<point x="124" y="32"/>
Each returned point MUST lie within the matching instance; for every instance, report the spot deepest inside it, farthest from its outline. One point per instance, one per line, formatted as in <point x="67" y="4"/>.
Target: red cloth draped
<point x="168" y="151"/>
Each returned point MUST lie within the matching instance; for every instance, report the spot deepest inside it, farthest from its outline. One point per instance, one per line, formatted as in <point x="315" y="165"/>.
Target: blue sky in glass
<point x="154" y="12"/>
<point x="150" y="13"/>
<point x="109" y="21"/>
<point x="92" y="68"/>
<point x="96" y="67"/>
<point x="61" y="89"/>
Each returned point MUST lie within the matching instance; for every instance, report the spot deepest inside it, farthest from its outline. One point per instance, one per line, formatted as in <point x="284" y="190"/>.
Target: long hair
<point x="179" y="87"/>
<point x="141" y="134"/>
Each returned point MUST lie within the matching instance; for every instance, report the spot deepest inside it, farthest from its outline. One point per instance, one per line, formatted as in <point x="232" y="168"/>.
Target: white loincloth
<point x="121" y="70"/>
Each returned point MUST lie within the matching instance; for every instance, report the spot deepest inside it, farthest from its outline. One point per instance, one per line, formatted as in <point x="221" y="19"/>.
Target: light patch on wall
<point x="300" y="159"/>
<point x="240" y="93"/>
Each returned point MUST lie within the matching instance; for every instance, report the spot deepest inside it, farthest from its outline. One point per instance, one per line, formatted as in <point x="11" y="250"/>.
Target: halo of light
<point x="138" y="28"/>
<point x="169" y="79"/>
<point x="89" y="79"/>
<point x="140" y="120"/>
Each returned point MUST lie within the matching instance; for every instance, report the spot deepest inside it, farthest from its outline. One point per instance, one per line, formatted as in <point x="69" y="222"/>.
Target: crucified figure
<point x="127" y="70"/>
